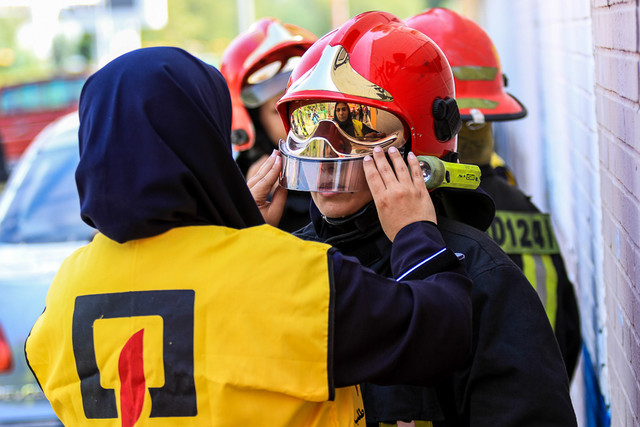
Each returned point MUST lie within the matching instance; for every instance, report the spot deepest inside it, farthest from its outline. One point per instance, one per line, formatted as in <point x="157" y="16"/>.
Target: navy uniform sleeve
<point x="408" y="331"/>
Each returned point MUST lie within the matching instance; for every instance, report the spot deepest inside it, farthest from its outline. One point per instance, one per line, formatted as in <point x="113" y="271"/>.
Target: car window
<point x="46" y="207"/>
<point x="40" y="96"/>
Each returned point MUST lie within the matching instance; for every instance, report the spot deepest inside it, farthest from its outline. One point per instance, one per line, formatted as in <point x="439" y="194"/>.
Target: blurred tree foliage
<point x="16" y="64"/>
<point x="203" y="27"/>
<point x="207" y="26"/>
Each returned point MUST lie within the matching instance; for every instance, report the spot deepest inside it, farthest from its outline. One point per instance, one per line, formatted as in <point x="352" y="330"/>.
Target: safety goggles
<point x="327" y="175"/>
<point x="327" y="141"/>
<point x="267" y="82"/>
<point x="325" y="130"/>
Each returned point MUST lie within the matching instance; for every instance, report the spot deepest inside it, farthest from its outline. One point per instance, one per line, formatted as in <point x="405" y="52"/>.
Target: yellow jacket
<point x="199" y="326"/>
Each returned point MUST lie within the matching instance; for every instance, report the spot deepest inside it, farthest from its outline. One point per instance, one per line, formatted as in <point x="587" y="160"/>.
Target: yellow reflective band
<point x="551" y="284"/>
<point x="464" y="103"/>
<point x="474" y="73"/>
<point x="542" y="275"/>
<point x="523" y="233"/>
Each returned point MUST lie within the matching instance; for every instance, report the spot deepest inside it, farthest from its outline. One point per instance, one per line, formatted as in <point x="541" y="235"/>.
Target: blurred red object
<point x="6" y="362"/>
<point x="25" y="109"/>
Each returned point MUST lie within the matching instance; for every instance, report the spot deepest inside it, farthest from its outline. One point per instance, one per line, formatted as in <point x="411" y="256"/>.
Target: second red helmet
<point x="256" y="66"/>
<point x="475" y="63"/>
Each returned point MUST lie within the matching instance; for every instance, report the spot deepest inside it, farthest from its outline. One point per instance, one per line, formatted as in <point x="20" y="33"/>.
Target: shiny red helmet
<point x="475" y="63"/>
<point x="256" y="66"/>
<point x="374" y="63"/>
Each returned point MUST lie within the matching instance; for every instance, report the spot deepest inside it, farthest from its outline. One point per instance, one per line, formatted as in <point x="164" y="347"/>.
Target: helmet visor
<point x="331" y="130"/>
<point x="267" y="82"/>
<point x="322" y="175"/>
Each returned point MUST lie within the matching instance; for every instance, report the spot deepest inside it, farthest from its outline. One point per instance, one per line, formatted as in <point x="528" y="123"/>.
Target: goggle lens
<point x="339" y="129"/>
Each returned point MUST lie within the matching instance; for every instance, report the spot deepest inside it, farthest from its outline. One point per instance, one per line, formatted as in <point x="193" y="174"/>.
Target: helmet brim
<point x="500" y="108"/>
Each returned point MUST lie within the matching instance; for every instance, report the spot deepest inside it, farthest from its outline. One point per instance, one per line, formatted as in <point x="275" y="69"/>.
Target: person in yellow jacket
<point x="343" y="116"/>
<point x="188" y="310"/>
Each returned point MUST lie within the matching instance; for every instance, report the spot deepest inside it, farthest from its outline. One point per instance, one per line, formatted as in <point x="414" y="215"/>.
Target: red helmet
<point x="474" y="61"/>
<point x="256" y="65"/>
<point x="399" y="77"/>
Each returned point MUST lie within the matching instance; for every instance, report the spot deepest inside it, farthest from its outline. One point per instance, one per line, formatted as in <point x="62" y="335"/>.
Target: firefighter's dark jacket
<point x="515" y="376"/>
<point x="548" y="273"/>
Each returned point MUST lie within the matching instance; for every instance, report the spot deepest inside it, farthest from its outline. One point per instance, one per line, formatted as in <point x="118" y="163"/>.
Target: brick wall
<point x="615" y="37"/>
<point x="547" y="51"/>
<point x="575" y="64"/>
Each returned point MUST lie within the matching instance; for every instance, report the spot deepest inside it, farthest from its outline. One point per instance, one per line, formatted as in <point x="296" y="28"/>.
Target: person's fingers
<point x="255" y="167"/>
<point x="269" y="170"/>
<point x="263" y="170"/>
<point x="384" y="168"/>
<point x="264" y="180"/>
<point x="416" y="172"/>
<point x="399" y="166"/>
<point x="372" y="176"/>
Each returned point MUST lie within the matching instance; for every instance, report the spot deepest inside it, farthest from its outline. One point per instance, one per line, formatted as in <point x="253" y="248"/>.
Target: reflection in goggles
<point x="338" y="129"/>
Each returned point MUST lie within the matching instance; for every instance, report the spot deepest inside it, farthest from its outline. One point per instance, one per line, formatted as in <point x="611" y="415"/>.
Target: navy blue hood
<point x="155" y="150"/>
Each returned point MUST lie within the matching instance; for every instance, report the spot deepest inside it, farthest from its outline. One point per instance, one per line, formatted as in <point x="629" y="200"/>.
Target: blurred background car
<point x="40" y="226"/>
<point x="26" y="108"/>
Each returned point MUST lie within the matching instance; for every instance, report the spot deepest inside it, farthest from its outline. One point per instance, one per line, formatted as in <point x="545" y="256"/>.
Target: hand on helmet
<point x="255" y="167"/>
<point x="400" y="195"/>
<point x="261" y="185"/>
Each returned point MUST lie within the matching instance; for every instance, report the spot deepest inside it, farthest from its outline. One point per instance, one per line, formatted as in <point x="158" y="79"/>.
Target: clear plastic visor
<point x="325" y="130"/>
<point x="326" y="175"/>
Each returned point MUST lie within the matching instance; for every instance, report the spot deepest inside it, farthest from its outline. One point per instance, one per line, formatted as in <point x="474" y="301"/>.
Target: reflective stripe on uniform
<point x="530" y="236"/>
<point x="542" y="275"/>
<point x="523" y="233"/>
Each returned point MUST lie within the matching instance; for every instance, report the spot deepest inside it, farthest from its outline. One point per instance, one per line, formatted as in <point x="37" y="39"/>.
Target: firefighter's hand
<point x="255" y="167"/>
<point x="400" y="196"/>
<point x="263" y="183"/>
